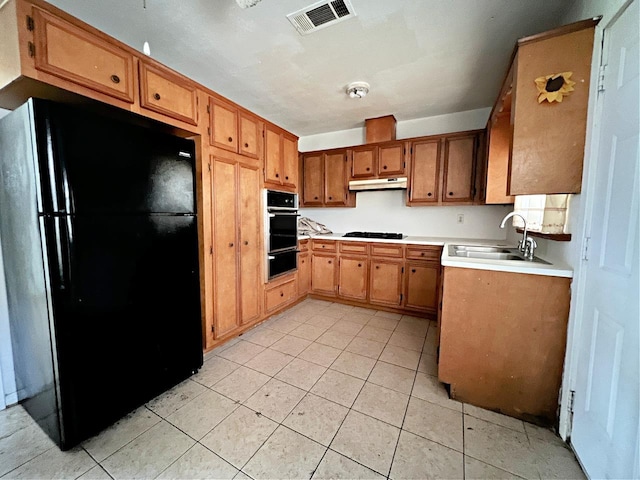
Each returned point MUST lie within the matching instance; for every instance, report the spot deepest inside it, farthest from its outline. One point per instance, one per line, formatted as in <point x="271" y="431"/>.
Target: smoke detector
<point x="358" y="89"/>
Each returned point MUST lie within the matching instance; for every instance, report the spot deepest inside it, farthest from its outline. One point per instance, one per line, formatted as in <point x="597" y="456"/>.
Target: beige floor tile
<point x="291" y="345"/>
<point x="499" y="446"/>
<point x="242" y="476"/>
<point x="13" y="419"/>
<point x="409" y="342"/>
<point x="149" y="454"/>
<point x="400" y="356"/>
<point x="198" y="462"/>
<point x="239" y="436"/>
<point x="286" y="454"/>
<point x="269" y="362"/>
<point x="336" y="466"/>
<point x="307" y="331"/>
<point x="375" y="334"/>
<point x="430" y="346"/>
<point x="171" y="400"/>
<point x="419" y="458"/>
<point x="321" y="321"/>
<point x="435" y="423"/>
<point x="354" y="364"/>
<point x="494" y="417"/>
<point x="284" y="324"/>
<point x="477" y="470"/>
<point x="316" y="418"/>
<point x="301" y="373"/>
<point x="541" y="433"/>
<point x="347" y="327"/>
<point x="203" y="413"/>
<point x="120" y="433"/>
<point x="228" y="344"/>
<point x="241" y="352"/>
<point x="413" y="326"/>
<point x="275" y="399"/>
<point x="391" y="315"/>
<point x="214" y="370"/>
<point x="394" y="377"/>
<point x="335" y="339"/>
<point x="338" y="387"/>
<point x="54" y="464"/>
<point x="382" y="403"/>
<point x="427" y="387"/>
<point x="428" y="364"/>
<point x="364" y="310"/>
<point x="310" y="309"/>
<point x="368" y="348"/>
<point x="95" y="473"/>
<point x="241" y="384"/>
<point x="265" y="337"/>
<point x="336" y="311"/>
<point x="367" y="441"/>
<point x="554" y="459"/>
<point x="21" y="446"/>
<point x="359" y="318"/>
<point x="382" y="322"/>
<point x="320" y="354"/>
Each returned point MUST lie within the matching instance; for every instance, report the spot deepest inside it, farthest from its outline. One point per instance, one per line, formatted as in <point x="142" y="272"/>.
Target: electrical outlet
<point x="461" y="218"/>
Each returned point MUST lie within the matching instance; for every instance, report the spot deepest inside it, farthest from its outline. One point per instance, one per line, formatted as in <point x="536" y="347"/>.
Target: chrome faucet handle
<point x="529" y="248"/>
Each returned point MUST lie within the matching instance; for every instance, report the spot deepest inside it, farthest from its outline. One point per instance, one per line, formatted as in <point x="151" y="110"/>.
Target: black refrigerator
<point x="99" y="239"/>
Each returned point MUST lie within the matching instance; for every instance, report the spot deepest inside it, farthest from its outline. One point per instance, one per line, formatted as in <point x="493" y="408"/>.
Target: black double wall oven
<point x="281" y="232"/>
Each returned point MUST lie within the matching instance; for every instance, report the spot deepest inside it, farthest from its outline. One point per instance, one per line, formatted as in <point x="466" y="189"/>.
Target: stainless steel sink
<point x="491" y="253"/>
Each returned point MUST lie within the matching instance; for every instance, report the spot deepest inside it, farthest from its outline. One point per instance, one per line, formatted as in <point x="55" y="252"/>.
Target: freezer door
<point x="126" y="304"/>
<point x="92" y="164"/>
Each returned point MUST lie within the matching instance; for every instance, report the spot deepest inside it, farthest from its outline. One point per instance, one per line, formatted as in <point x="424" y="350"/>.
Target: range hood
<point x="378" y="184"/>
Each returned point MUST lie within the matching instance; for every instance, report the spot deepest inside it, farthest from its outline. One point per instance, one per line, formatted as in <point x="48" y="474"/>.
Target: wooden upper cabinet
<point x="313" y="171"/>
<point x="364" y="163"/>
<point x="425" y="172"/>
<point x="72" y="53"/>
<point x="336" y="178"/>
<point x="499" y="148"/>
<point x="273" y="155"/>
<point x="391" y="159"/>
<point x="326" y="179"/>
<point x="459" y="164"/>
<point x="385" y="283"/>
<point x="224" y="124"/>
<point x="352" y="278"/>
<point x="164" y="92"/>
<point x="249" y="135"/>
<point x="281" y="157"/>
<point x="289" y="160"/>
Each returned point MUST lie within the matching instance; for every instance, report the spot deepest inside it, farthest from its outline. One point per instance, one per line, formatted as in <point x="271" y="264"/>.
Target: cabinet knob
<point x="301" y="261"/>
<point x="323" y="246"/>
<point x="286" y="177"/>
<point x="413" y="270"/>
<point x="422" y="254"/>
<point x="156" y="96"/>
<point x="230" y="139"/>
<point x="282" y="294"/>
<point x="315" y="198"/>
<point x="329" y="262"/>
<point x="384" y="167"/>
<point x="231" y="244"/>
<point x="246" y="242"/>
<point x="368" y="169"/>
<point x="429" y="194"/>
<point x="359" y="264"/>
<point x="115" y="78"/>
<point x="277" y="175"/>
<point x="330" y="198"/>
<point x="246" y="145"/>
<point x="450" y="194"/>
<point x="377" y="267"/>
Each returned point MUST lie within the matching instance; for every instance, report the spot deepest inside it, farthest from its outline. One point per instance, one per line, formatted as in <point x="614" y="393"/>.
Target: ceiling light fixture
<point x="358" y="89"/>
<point x="247" y="3"/>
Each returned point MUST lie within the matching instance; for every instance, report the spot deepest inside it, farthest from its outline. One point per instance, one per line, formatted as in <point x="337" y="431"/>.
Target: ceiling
<point x="422" y="57"/>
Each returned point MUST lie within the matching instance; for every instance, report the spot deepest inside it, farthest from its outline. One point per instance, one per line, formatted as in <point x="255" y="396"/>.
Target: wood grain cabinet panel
<point x="313" y="185"/>
<point x="72" y="53"/>
<point x="385" y="284"/>
<point x="459" y="163"/>
<point x="387" y="250"/>
<point x="167" y="93"/>
<point x="326" y="179"/>
<point x="281" y="157"/>
<point x="391" y="160"/>
<point x="289" y="160"/>
<point x="224" y="124"/>
<point x="365" y="161"/>
<point x="249" y="135"/>
<point x="499" y="143"/>
<point x="421" y="286"/>
<point x="323" y="274"/>
<point x="352" y="277"/>
<point x="425" y="172"/>
<point x="280" y="295"/>
<point x="304" y="274"/>
<point x="336" y="178"/>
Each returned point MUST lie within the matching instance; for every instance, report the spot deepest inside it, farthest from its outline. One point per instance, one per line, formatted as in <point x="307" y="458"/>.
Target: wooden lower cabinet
<point x="323" y="274"/>
<point x="421" y="286"/>
<point x="304" y="274"/>
<point x="352" y="277"/>
<point x="385" y="285"/>
<point x="279" y="295"/>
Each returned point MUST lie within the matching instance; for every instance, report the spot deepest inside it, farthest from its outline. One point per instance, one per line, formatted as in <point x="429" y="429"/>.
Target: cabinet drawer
<point x="303" y="245"/>
<point x="324" y="246"/>
<point x="275" y="297"/>
<point x="67" y="51"/>
<point x="431" y="253"/>
<point x="386" y="250"/>
<point x="164" y="92"/>
<point x="353" y="248"/>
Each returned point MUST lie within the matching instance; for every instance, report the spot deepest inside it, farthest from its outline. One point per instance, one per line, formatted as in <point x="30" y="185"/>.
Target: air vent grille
<point x="320" y="15"/>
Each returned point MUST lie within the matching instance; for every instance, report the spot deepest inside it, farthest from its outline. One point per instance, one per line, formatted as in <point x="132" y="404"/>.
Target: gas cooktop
<point x="388" y="236"/>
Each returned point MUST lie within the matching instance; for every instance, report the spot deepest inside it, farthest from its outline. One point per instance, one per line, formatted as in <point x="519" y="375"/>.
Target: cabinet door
<point x="289" y="160"/>
<point x="364" y="162"/>
<point x="224" y="237"/>
<point x="391" y="160"/>
<point x="250" y="135"/>
<point x="224" y="125"/>
<point x="304" y="274"/>
<point x="421" y="290"/>
<point x="336" y="178"/>
<point x="323" y="274"/>
<point x="272" y="155"/>
<point x="499" y="138"/>
<point x="352" y="278"/>
<point x="67" y="51"/>
<point x="459" y="162"/>
<point x="168" y="94"/>
<point x="249" y="218"/>
<point x="313" y="173"/>
<point x="424" y="172"/>
<point x="385" y="284"/>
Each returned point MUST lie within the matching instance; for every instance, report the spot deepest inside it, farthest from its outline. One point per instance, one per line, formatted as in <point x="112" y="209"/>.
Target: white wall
<point x="386" y="210"/>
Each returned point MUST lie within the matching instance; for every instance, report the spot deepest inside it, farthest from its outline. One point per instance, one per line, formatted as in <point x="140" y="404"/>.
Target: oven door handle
<point x="283" y="214"/>
<point x="271" y="257"/>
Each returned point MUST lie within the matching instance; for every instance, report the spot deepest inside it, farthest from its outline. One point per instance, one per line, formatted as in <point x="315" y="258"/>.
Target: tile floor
<point x="323" y="391"/>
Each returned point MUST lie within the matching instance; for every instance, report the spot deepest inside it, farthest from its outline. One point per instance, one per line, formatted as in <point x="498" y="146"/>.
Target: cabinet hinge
<point x="209" y="131"/>
<point x="401" y="297"/>
<point x="572" y="402"/>
<point x="601" y="73"/>
<point x="211" y="250"/>
<point x="585" y="249"/>
<point x="404" y="164"/>
<point x="32" y="49"/>
<point x="402" y="270"/>
<point x="213" y="328"/>
<point x="208" y="109"/>
<point x="30" y="23"/>
<point x="411" y="150"/>
<point x="209" y="166"/>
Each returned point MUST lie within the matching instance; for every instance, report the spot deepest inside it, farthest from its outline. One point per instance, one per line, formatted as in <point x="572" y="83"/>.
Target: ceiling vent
<point x="321" y="15"/>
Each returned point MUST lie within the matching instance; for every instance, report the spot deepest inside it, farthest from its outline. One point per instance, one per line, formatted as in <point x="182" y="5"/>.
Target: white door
<point x="606" y="410"/>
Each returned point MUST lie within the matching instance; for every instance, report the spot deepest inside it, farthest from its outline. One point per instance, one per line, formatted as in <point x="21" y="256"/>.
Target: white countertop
<point x="556" y="269"/>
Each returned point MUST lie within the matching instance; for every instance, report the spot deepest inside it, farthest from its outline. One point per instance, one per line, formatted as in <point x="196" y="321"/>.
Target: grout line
<point x="464" y="447"/>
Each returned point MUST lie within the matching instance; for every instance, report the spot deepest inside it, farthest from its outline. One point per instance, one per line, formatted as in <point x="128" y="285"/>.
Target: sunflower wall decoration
<point x="553" y="88"/>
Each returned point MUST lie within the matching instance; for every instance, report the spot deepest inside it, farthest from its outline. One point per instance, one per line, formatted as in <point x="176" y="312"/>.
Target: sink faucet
<point x="527" y="245"/>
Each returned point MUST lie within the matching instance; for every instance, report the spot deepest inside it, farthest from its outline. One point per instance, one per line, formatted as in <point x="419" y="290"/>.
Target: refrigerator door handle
<point x="60" y="235"/>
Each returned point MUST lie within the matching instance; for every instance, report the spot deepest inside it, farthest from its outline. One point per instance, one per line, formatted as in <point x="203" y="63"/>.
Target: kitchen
<point x="243" y="303"/>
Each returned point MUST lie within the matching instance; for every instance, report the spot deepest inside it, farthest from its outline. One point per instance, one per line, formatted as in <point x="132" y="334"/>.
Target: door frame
<point x="592" y="144"/>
